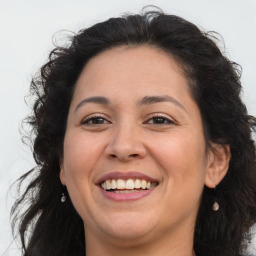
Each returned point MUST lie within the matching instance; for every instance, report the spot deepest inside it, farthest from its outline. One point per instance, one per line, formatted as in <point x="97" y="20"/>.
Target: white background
<point x="26" y="30"/>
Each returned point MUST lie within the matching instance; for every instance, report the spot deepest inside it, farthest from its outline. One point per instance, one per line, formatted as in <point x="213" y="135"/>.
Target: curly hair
<point x="48" y="227"/>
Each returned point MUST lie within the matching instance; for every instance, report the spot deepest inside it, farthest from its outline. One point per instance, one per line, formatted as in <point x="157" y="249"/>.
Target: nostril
<point x="123" y="158"/>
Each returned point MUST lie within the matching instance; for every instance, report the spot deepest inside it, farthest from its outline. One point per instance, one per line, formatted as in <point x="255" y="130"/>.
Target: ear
<point x="62" y="174"/>
<point x="218" y="164"/>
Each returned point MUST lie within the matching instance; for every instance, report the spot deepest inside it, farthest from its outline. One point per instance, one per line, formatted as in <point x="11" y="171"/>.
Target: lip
<point x="125" y="176"/>
<point x="126" y="197"/>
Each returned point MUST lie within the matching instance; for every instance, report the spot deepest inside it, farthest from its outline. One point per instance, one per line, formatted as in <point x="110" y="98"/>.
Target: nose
<point x="125" y="144"/>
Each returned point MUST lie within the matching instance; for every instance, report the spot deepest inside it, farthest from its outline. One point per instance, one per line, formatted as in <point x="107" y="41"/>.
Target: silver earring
<point x="63" y="198"/>
<point x="215" y="206"/>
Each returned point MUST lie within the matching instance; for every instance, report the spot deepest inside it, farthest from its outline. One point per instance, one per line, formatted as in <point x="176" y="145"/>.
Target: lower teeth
<point x="127" y="191"/>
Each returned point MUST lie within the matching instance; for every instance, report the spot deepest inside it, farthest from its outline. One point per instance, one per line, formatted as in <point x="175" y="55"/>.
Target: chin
<point x="129" y="227"/>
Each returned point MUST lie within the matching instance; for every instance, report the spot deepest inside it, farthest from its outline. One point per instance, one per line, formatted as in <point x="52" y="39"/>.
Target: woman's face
<point x="133" y="125"/>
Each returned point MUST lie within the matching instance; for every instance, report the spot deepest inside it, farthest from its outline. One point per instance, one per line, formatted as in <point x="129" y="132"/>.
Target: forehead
<point x="140" y="60"/>
<point x="131" y="67"/>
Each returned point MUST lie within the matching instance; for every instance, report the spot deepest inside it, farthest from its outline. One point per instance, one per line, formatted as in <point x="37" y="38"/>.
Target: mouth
<point x="127" y="186"/>
<point x="124" y="186"/>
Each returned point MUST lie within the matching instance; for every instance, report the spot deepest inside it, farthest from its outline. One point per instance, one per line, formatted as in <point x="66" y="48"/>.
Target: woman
<point x="143" y="145"/>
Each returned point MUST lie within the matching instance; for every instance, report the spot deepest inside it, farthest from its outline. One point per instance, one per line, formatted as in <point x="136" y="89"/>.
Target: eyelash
<point x="154" y="117"/>
<point x="166" y="121"/>
<point x="90" y="119"/>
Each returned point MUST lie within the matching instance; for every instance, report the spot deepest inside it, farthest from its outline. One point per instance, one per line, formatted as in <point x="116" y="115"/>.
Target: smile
<point x="127" y="186"/>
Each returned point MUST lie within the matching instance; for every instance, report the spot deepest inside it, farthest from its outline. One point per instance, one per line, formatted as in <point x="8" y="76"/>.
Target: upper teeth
<point x="127" y="184"/>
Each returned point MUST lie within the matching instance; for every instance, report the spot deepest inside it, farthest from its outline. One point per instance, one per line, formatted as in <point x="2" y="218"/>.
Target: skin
<point x="125" y="135"/>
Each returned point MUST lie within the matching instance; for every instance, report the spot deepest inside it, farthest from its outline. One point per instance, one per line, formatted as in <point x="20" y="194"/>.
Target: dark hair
<point x="48" y="227"/>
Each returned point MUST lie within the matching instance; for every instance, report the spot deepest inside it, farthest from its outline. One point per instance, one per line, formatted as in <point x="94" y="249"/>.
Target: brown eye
<point x="160" y="120"/>
<point x="95" y="121"/>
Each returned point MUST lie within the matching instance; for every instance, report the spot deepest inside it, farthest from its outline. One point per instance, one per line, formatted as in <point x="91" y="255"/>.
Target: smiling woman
<point x="142" y="143"/>
<point x="139" y="137"/>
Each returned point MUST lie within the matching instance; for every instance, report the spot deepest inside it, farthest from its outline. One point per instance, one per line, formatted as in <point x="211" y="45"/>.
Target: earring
<point x="63" y="198"/>
<point x="215" y="206"/>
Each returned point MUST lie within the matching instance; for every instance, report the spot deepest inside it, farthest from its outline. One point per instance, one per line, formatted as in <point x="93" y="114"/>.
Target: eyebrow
<point x="95" y="99"/>
<point x="148" y="100"/>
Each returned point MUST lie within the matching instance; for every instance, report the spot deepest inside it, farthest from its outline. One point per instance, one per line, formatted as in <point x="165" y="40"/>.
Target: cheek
<point x="181" y="157"/>
<point x="80" y="155"/>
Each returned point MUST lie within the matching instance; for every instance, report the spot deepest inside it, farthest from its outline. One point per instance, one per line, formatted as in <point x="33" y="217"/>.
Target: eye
<point x="160" y="120"/>
<point x="94" y="120"/>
